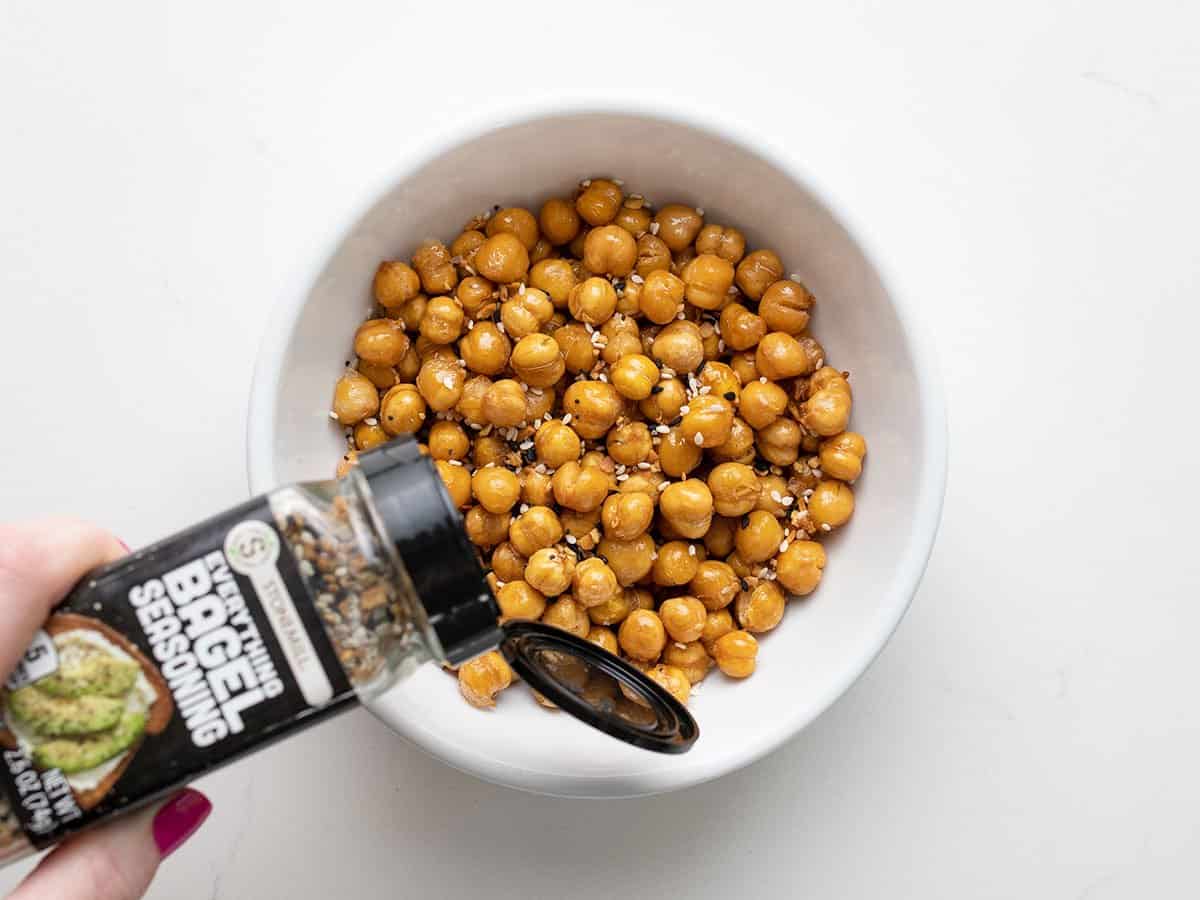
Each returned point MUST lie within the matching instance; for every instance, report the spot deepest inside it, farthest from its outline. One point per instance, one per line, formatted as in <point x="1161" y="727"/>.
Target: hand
<point x="39" y="563"/>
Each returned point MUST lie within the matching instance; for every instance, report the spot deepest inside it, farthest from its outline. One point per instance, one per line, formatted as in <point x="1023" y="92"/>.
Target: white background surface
<point x="1028" y="172"/>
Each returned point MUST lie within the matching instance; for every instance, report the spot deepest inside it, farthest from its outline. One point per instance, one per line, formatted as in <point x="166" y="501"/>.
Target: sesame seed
<point x="684" y="410"/>
<point x="644" y="466"/>
<point x="707" y="389"/>
<point x="793" y="276"/>
<point x="635" y="277"/>
<point x="820" y="362"/>
<point x="783" y="547"/>
<point x="788" y="501"/>
<point x="624" y="476"/>
<point x="570" y="539"/>
<point x="681" y="645"/>
<point x="455" y="462"/>
<point x="654" y="226"/>
<point x="825" y="526"/>
<point x="680" y="315"/>
<point x="662" y="487"/>
<point x="540" y="468"/>
<point x="699" y="210"/>
<point x="500" y="327"/>
<point x="603" y="377"/>
<point x="618" y="182"/>
<point x="590" y="329"/>
<point x="776" y="497"/>
<point x="333" y="415"/>
<point x="762" y="379"/>
<point x="721" y="346"/>
<point x="667" y="372"/>
<point x="587" y="182"/>
<point x="662" y="429"/>
<point x="699" y="439"/>
<point x="566" y="420"/>
<point x="521" y="289"/>
<point x="691" y="549"/>
<point x="525" y="445"/>
<point x="462" y="363"/>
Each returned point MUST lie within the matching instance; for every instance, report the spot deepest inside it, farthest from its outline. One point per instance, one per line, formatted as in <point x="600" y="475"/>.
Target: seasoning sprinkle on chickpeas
<point x="627" y="405"/>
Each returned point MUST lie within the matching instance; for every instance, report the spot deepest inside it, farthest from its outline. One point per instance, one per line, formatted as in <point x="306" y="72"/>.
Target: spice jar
<point x="261" y="621"/>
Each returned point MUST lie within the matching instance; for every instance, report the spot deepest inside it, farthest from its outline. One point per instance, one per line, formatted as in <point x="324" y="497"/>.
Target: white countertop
<point x="1029" y="171"/>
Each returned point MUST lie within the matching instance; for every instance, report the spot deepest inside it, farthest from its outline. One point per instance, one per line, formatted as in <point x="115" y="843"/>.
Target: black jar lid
<point x="576" y="675"/>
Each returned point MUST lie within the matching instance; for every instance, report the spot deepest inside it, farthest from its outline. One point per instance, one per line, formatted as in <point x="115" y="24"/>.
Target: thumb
<point x="118" y="861"/>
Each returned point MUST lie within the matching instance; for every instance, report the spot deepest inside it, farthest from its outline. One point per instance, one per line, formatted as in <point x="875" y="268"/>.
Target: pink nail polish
<point x="179" y="819"/>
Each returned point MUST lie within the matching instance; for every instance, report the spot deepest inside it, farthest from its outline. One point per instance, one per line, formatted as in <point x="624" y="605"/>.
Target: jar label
<point x="162" y="666"/>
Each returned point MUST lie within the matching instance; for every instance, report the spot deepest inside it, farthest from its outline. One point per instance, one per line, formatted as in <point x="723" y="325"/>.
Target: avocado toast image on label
<point x="88" y="718"/>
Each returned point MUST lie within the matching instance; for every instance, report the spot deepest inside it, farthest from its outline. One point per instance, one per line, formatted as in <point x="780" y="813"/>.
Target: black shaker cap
<point x="427" y="531"/>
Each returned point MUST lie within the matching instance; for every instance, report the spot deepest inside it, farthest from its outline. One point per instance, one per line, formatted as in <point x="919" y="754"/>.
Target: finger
<point x="39" y="563"/>
<point x="118" y="861"/>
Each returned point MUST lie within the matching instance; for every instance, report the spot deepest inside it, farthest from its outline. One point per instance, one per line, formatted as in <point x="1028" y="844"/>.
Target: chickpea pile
<point x="628" y="407"/>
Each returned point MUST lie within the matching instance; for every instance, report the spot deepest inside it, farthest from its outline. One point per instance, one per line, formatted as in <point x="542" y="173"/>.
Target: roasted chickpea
<point x="568" y="615"/>
<point x="779" y="442"/>
<point x="676" y="564"/>
<point x="734" y="488"/>
<point x="827" y="410"/>
<point x="831" y="504"/>
<point x="717" y="624"/>
<point x="556" y="444"/>
<point x="443" y="320"/>
<point x="689" y="658"/>
<point x="626" y="516"/>
<point x="594" y="301"/>
<point x="457" y="481"/>
<point x="381" y="341"/>
<point x="653" y="256"/>
<point x="593" y="407"/>
<point x="538" y="403"/>
<point x="679" y="346"/>
<point x="785" y="305"/>
<point x="762" y="402"/>
<point x="672" y="680"/>
<point x="642" y="483"/>
<point x="642" y="635"/>
<point x="720" y="240"/>
<point x="406" y="370"/>
<point x="800" y="566"/>
<point x="579" y="524"/>
<point x="683" y="618"/>
<point x="708" y="421"/>
<point x="383" y="377"/>
<point x="677" y="454"/>
<point x="550" y="570"/>
<point x="555" y="277"/>
<point x="581" y="488"/>
<point x="758" y="271"/>
<point x="720" y="379"/>
<point x="486" y="529"/>
<point x="508" y="564"/>
<point x="502" y="258"/>
<point x="543" y="249"/>
<point x="740" y="568"/>
<point x="482" y="678"/>
<point x="842" y="456"/>
<point x="621" y="337"/>
<point x="559" y="221"/>
<point x="760" y="609"/>
<point x="537" y="360"/>
<point x="369" y="436"/>
<point x="410" y="312"/>
<point x="519" y="600"/>
<point x="473" y="293"/>
<point x="714" y="584"/>
<point x="490" y="450"/>
<point x="432" y="263"/>
<point x="665" y="401"/>
<point x="402" y="410"/>
<point x="614" y="610"/>
<point x="504" y="403"/>
<point x="740" y="445"/>
<point x="516" y="221"/>
<point x="629" y="443"/>
<point x="441" y="383"/>
<point x="688" y="506"/>
<point x="634" y="219"/>
<point x="680" y="260"/>
<point x="575" y="249"/>
<point x="599" y="202"/>
<point x="740" y="328"/>
<point x="535" y="529"/>
<point x="610" y="250"/>
<point x="735" y="654"/>
<point x="718" y="540"/>
<point x="594" y="583"/>
<point x="495" y="489"/>
<point x="743" y="366"/>
<point x="772" y="491"/>
<point x="395" y="284"/>
<point x="463" y="247"/>
<point x="661" y="295"/>
<point x="579" y="353"/>
<point x="536" y="488"/>
<point x="447" y="440"/>
<point x="629" y="560"/>
<point x="354" y="398"/>
<point x="678" y="225"/>
<point x="635" y="376"/>
<point x="779" y="355"/>
<point x="470" y="403"/>
<point x="708" y="279"/>
<point x="603" y="637"/>
<point x="758" y="537"/>
<point x="526" y="313"/>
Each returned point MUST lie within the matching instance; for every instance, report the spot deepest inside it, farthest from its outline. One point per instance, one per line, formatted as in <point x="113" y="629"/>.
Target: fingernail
<point x="179" y="819"/>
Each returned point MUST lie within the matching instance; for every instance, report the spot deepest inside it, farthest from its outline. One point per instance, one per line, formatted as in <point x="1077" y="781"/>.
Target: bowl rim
<point x="285" y="314"/>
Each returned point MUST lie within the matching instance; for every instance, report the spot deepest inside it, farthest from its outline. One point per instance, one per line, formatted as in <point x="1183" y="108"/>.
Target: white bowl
<point x="825" y="641"/>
